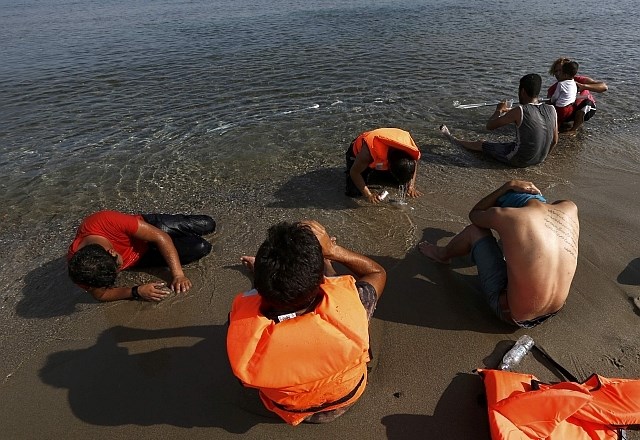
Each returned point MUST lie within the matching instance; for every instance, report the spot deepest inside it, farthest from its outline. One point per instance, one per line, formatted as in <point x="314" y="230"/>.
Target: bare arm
<point x="490" y="201"/>
<point x="554" y="141"/>
<point x="363" y="159"/>
<point x="364" y="268"/>
<point x="147" y="232"/>
<point x="591" y="85"/>
<point x="151" y="292"/>
<point x="497" y="120"/>
<point x="411" y="190"/>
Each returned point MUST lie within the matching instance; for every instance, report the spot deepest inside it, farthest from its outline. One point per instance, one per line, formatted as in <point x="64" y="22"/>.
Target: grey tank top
<point x="534" y="135"/>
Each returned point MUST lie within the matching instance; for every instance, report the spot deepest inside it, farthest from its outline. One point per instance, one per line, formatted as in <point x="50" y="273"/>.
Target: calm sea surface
<point x="243" y="108"/>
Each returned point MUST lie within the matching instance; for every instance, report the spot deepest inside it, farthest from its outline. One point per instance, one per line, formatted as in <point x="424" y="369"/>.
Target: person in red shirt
<point x="109" y="241"/>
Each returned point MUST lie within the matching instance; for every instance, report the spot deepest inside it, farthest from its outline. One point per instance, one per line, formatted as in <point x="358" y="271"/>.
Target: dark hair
<point x="531" y="84"/>
<point x="401" y="165"/>
<point x="289" y="266"/>
<point x="570" y="68"/>
<point x="93" y="266"/>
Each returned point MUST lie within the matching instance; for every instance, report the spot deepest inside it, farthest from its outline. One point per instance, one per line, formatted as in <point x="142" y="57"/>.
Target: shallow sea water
<point x="243" y="109"/>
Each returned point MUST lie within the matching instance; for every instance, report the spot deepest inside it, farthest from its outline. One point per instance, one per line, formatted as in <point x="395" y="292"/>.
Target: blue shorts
<point x="492" y="271"/>
<point x="502" y="151"/>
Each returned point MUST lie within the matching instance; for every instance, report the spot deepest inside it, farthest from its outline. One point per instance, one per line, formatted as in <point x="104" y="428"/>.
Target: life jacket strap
<point x="324" y="405"/>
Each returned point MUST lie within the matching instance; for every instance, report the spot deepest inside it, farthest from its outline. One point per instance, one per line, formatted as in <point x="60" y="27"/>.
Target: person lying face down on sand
<point x="300" y="337"/>
<point x="528" y="280"/>
<point x="109" y="241"/>
<point x="536" y="128"/>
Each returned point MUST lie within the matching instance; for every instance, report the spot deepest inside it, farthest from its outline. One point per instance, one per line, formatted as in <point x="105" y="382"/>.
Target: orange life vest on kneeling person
<point x="522" y="408"/>
<point x="380" y="140"/>
<point x="310" y="363"/>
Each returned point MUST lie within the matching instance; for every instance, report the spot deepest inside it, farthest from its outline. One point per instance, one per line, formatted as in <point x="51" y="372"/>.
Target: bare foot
<point x="432" y="252"/>
<point x="249" y="262"/>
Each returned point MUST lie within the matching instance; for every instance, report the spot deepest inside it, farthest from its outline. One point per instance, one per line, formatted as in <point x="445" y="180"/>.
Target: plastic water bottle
<point x="517" y="353"/>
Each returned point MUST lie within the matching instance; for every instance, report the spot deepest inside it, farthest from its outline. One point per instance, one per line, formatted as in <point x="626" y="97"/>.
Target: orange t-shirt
<point x="116" y="227"/>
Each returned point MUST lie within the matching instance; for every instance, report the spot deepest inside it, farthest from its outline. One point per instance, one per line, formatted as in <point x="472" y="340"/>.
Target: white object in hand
<point x="383" y="195"/>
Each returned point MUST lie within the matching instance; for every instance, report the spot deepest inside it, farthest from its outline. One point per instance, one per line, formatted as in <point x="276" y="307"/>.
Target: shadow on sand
<point x="421" y="292"/>
<point x="175" y="376"/>
<point x="48" y="292"/>
<point x="463" y="397"/>
<point x="631" y="274"/>
<point x="323" y="189"/>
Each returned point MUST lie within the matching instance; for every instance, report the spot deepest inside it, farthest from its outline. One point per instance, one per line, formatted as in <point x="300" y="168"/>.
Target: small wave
<point x="222" y="127"/>
<point x="314" y="106"/>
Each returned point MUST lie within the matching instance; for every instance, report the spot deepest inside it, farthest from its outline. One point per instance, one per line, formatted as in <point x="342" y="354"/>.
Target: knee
<point x="476" y="233"/>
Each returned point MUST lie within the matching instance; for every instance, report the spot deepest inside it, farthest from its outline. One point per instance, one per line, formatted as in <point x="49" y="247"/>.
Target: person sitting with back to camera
<point x="109" y="241"/>
<point x="302" y="338"/>
<point x="536" y="128"/>
<point x="388" y="150"/>
<point x="526" y="280"/>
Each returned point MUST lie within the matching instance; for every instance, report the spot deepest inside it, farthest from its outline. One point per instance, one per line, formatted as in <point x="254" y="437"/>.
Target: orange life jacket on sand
<point x="380" y="140"/>
<point x="521" y="408"/>
<point x="311" y="363"/>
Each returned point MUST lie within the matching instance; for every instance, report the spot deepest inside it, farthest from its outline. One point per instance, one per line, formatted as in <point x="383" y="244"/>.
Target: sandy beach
<point x="243" y="111"/>
<point x="79" y="369"/>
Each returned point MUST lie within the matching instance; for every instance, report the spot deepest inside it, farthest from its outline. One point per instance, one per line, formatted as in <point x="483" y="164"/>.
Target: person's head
<point x="556" y="67"/>
<point x="289" y="266"/>
<point x="529" y="85"/>
<point x="401" y="165"/>
<point x="93" y="266"/>
<point x="569" y="70"/>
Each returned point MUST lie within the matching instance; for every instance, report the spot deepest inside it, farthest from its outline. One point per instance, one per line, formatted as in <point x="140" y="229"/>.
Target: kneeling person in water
<point x="388" y="150"/>
<point x="109" y="241"/>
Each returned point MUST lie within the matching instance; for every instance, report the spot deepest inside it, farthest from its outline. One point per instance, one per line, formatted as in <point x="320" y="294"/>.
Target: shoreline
<point x="75" y="368"/>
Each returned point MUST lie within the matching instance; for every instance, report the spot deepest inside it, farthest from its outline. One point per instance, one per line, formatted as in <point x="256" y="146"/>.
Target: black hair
<point x="93" y="266"/>
<point x="531" y="84"/>
<point x="289" y="266"/>
<point x="570" y="68"/>
<point x="401" y="165"/>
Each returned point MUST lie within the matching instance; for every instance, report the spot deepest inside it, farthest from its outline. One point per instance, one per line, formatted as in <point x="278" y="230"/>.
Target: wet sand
<point x="73" y="368"/>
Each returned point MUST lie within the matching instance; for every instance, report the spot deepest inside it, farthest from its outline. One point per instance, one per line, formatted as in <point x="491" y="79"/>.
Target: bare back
<point x="540" y="245"/>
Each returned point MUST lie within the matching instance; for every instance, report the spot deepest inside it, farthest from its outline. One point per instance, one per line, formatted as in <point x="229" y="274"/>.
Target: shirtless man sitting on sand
<point x="527" y="281"/>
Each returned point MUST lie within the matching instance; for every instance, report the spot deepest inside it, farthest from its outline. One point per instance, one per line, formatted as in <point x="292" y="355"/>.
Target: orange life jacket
<point x="311" y="363"/>
<point x="521" y="408"/>
<point x="380" y="140"/>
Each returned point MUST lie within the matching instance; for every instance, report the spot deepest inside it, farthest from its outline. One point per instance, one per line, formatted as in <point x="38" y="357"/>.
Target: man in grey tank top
<point x="536" y="128"/>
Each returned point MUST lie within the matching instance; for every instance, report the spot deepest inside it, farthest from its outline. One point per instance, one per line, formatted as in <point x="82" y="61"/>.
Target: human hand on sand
<point x="413" y="192"/>
<point x="180" y="284"/>
<point x="373" y="197"/>
<point x="153" y="291"/>
<point x="433" y="252"/>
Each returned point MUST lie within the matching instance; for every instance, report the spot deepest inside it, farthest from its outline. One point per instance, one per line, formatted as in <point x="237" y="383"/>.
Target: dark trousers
<point x="186" y="232"/>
